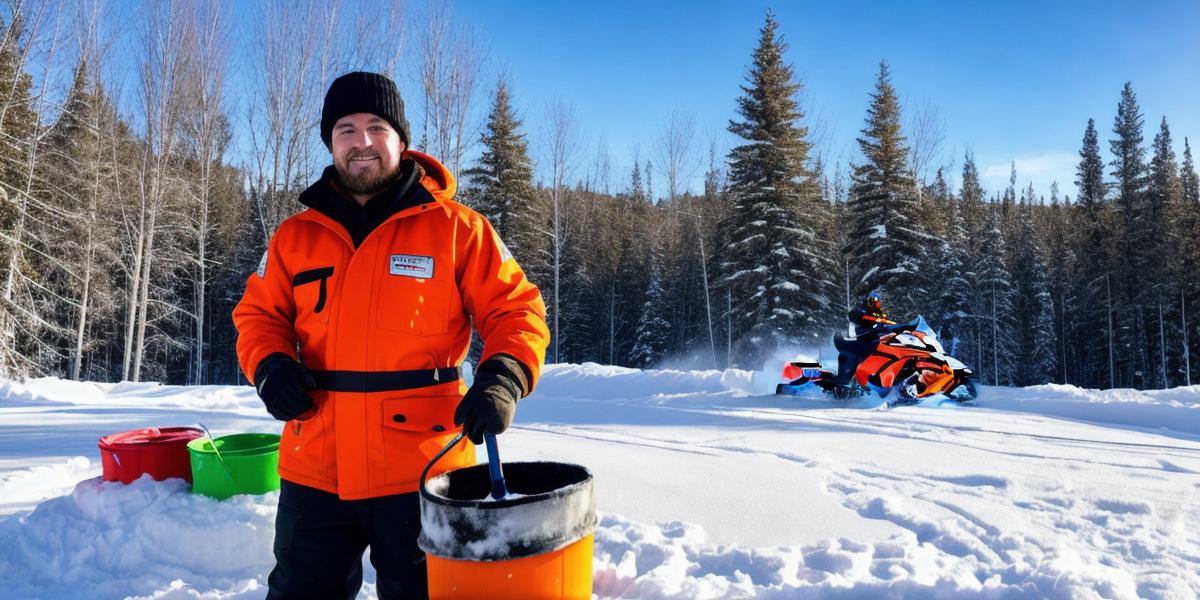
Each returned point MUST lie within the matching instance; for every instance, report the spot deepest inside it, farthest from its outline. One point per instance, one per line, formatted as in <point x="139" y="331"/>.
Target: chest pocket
<point x="311" y="288"/>
<point x="414" y="306"/>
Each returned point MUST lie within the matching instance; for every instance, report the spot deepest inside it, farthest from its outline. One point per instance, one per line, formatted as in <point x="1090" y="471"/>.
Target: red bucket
<point x="160" y="451"/>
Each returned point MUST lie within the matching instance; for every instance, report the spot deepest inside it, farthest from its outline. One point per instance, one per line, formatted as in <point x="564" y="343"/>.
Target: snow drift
<point x="706" y="487"/>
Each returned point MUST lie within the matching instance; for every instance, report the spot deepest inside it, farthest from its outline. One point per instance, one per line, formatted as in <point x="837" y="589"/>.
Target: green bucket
<point x="242" y="463"/>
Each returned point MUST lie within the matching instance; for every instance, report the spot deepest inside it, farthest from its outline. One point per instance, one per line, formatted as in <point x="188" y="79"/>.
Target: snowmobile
<point x="906" y="357"/>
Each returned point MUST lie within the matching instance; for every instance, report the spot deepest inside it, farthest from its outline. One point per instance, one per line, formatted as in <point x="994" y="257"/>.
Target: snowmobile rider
<point x="869" y="320"/>
<point x="353" y="330"/>
<point x="869" y="315"/>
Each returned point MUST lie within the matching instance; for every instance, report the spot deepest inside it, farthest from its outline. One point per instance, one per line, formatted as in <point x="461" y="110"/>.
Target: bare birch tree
<point x="169" y="42"/>
<point x="674" y="151"/>
<point x="29" y="330"/>
<point x="562" y="142"/>
<point x="207" y="136"/>
<point x="290" y="63"/>
<point x="448" y="69"/>
<point x="926" y="133"/>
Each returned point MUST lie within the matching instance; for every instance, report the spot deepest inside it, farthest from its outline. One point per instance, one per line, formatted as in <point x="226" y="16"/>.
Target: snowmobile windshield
<point x="918" y="324"/>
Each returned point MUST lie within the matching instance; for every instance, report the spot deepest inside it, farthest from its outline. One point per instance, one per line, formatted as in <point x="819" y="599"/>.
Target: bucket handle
<point x="499" y="489"/>
<point x="213" y="442"/>
<point x="425" y="473"/>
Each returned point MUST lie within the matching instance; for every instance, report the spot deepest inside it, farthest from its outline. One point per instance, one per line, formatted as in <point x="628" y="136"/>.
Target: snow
<point x="706" y="485"/>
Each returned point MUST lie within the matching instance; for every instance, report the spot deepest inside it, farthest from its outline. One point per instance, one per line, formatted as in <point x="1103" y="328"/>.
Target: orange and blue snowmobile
<point x="906" y="357"/>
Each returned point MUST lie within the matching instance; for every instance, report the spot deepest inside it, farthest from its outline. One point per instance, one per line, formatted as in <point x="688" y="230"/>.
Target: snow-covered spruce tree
<point x="1189" y="180"/>
<point x="1164" y="212"/>
<point x="774" y="265"/>
<point x="935" y="203"/>
<point x="1063" y="266"/>
<point x="887" y="243"/>
<point x="635" y="222"/>
<point x="502" y="178"/>
<point x="1034" y="306"/>
<point x="1094" y="235"/>
<point x="941" y="218"/>
<point x="580" y="298"/>
<point x="1190" y="251"/>
<point x="629" y="280"/>
<point x="1130" y="183"/>
<point x="954" y="305"/>
<point x="499" y="186"/>
<point x="994" y="306"/>
<point x="1008" y="209"/>
<point x="653" y="330"/>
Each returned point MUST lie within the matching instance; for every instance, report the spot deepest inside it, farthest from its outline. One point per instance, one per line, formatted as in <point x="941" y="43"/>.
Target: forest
<point x="143" y="169"/>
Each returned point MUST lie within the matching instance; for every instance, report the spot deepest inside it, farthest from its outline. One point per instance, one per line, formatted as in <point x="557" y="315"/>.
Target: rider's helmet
<point x="873" y="301"/>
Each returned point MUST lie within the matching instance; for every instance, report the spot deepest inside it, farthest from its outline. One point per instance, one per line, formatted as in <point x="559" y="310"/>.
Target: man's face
<point x="366" y="153"/>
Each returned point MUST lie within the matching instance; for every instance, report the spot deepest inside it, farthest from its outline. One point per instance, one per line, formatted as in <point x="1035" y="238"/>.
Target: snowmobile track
<point x="864" y="422"/>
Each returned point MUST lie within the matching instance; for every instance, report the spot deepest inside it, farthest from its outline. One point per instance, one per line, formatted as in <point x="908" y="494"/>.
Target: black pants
<point x="320" y="539"/>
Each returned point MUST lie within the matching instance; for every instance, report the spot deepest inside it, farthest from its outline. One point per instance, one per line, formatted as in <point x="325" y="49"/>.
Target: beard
<point x="367" y="183"/>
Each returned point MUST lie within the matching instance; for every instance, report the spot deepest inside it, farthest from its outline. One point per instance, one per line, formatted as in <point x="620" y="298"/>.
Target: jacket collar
<point x="425" y="183"/>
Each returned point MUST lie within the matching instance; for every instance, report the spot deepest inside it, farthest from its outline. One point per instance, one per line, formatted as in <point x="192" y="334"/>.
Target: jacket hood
<point x="435" y="176"/>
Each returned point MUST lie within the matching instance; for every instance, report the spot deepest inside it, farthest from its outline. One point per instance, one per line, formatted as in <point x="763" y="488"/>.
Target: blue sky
<point x="1014" y="81"/>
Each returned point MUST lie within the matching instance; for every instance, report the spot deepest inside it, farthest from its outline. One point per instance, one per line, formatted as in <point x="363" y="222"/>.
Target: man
<point x="869" y="314"/>
<point x="868" y="319"/>
<point x="353" y="329"/>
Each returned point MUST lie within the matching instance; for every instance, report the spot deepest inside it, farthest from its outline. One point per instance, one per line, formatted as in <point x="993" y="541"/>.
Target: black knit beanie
<point x="362" y="92"/>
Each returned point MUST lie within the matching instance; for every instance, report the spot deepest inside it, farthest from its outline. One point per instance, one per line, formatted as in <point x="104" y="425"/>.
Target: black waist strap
<point x="384" y="381"/>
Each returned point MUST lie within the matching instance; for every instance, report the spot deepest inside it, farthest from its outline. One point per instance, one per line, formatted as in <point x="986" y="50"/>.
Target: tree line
<point x="129" y="220"/>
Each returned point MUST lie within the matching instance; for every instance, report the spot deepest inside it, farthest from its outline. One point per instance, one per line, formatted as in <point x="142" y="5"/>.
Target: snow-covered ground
<point x="708" y="487"/>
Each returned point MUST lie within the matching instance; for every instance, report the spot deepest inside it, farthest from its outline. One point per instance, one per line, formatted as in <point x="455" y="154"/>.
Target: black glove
<point x="283" y="384"/>
<point x="489" y="405"/>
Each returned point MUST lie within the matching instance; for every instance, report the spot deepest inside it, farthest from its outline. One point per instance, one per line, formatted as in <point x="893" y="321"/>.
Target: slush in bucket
<point x="534" y="543"/>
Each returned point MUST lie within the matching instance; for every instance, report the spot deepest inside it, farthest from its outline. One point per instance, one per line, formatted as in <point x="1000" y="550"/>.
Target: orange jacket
<point x="404" y="300"/>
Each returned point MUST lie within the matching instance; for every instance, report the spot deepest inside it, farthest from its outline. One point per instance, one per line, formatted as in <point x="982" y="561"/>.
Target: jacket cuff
<point x="506" y="366"/>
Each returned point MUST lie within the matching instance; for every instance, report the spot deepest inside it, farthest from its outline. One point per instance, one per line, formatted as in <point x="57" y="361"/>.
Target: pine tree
<point x="632" y="277"/>
<point x="1130" y="174"/>
<point x="954" y="304"/>
<point x="653" y="331"/>
<point x="935" y="204"/>
<point x="501" y="189"/>
<point x="994" y="306"/>
<point x="1034" y="306"/>
<point x="501" y="181"/>
<point x="1167" y="243"/>
<point x="887" y="242"/>
<point x="1189" y="180"/>
<point x="1094" y="239"/>
<point x="1008" y="206"/>
<point x="1190" y="264"/>
<point x="974" y="211"/>
<point x="774" y="264"/>
<point x="636" y="191"/>
<point x="1056" y="237"/>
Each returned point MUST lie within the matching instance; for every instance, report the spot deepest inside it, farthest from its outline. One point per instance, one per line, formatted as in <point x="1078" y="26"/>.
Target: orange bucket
<point x="534" y="544"/>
